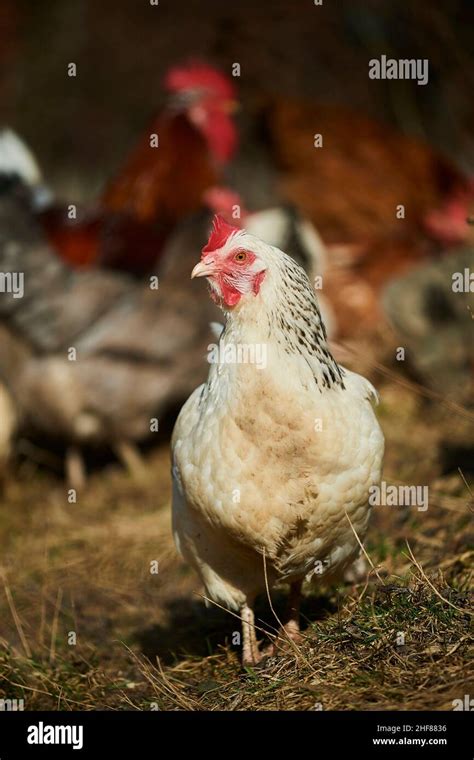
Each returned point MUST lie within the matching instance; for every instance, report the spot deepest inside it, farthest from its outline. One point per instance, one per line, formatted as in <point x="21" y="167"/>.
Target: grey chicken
<point x="92" y="357"/>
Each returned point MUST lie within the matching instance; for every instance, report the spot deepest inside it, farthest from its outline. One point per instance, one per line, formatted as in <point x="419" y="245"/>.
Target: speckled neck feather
<point x="287" y="313"/>
<point x="301" y="328"/>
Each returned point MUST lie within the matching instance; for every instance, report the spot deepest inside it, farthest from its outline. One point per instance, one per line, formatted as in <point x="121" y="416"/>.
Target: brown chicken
<point x="382" y="201"/>
<point x="181" y="154"/>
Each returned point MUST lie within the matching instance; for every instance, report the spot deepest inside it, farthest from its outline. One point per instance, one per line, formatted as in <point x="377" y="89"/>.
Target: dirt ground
<point x="86" y="624"/>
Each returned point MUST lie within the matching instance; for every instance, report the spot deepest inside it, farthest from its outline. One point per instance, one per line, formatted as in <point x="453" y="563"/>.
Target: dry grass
<point x="146" y="641"/>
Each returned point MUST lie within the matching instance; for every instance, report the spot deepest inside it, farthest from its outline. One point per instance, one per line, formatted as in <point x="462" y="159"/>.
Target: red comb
<point x="195" y="74"/>
<point x="220" y="233"/>
<point x="222" y="200"/>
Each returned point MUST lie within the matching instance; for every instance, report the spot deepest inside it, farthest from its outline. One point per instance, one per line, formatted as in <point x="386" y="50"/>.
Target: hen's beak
<point x="203" y="269"/>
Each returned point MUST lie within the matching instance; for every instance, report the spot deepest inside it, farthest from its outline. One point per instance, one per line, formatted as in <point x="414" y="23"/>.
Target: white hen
<point x="272" y="458"/>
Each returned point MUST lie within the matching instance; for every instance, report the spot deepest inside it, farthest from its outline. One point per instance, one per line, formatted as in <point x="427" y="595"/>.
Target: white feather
<point x="17" y="158"/>
<point x="216" y="329"/>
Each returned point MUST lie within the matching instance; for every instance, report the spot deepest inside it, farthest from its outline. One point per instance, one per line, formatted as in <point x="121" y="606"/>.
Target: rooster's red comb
<point x="195" y="74"/>
<point x="220" y="233"/>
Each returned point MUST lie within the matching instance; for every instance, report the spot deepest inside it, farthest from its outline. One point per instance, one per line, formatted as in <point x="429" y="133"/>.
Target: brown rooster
<point x="180" y="155"/>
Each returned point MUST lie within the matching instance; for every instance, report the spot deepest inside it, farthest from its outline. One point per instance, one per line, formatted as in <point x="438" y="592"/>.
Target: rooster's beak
<point x="203" y="269"/>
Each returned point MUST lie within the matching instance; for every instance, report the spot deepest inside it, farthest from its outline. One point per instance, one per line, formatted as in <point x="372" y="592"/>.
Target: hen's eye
<point x="240" y="256"/>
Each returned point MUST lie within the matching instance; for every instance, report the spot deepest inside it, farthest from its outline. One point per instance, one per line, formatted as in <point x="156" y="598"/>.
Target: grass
<point x="84" y="624"/>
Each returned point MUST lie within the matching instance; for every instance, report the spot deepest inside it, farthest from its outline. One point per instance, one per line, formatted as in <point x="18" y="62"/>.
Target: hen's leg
<point x="75" y="469"/>
<point x="291" y="628"/>
<point x="130" y="457"/>
<point x="250" y="652"/>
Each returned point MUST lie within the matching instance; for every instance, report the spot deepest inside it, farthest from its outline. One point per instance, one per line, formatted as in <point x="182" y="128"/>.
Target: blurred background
<point x="81" y="128"/>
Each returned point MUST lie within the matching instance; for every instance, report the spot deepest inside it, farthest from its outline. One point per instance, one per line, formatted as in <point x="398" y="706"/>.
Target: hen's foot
<point x="288" y="633"/>
<point x="252" y="659"/>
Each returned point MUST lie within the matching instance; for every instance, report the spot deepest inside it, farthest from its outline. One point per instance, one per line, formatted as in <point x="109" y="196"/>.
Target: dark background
<point x="81" y="127"/>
